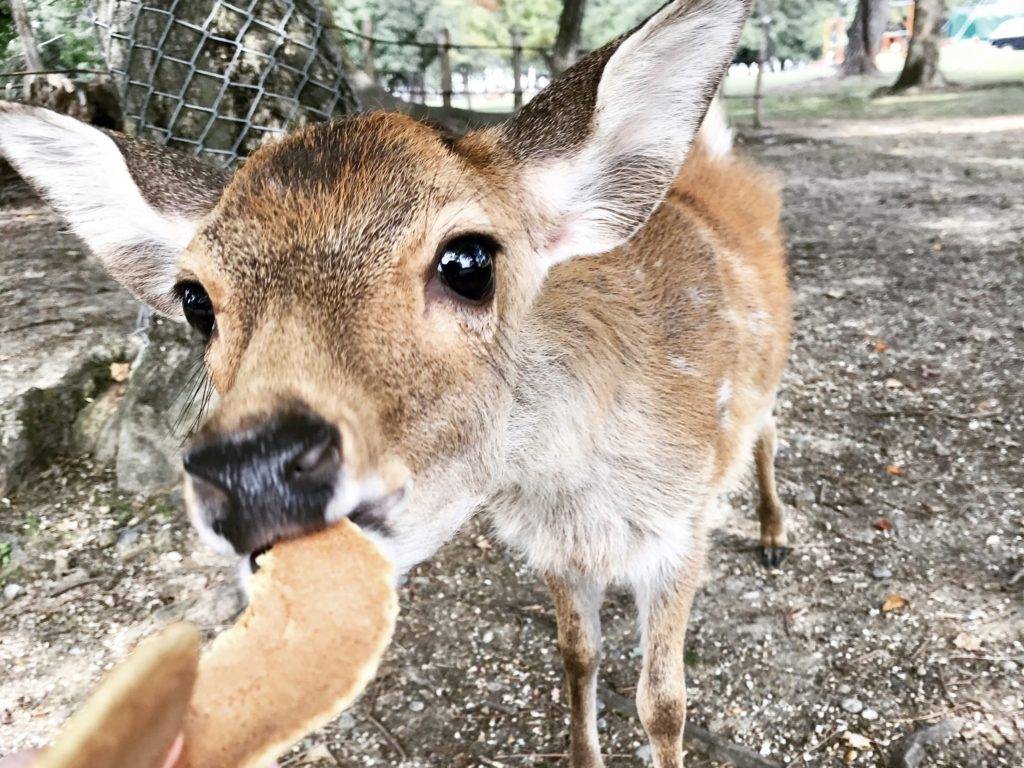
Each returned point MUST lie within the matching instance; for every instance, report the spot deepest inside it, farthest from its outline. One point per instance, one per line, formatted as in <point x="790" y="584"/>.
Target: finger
<point x="172" y="756"/>
<point x="20" y="760"/>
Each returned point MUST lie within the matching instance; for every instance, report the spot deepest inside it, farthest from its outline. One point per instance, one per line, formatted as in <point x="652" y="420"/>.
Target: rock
<point x="804" y="498"/>
<point x="39" y="412"/>
<point x="857" y="741"/>
<point x="908" y="751"/>
<point x="63" y="323"/>
<point x="853" y="706"/>
<point x="881" y="573"/>
<point x="128" y="537"/>
<point x="416" y="705"/>
<point x="151" y="423"/>
<point x="869" y="714"/>
<point x="217" y="607"/>
<point x="643" y="754"/>
<point x="13" y="591"/>
<point x="90" y="426"/>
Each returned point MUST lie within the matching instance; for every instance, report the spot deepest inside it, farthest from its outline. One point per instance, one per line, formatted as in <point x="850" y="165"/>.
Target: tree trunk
<point x="864" y="37"/>
<point x="567" y="43"/>
<point x="33" y="61"/>
<point x="921" y="67"/>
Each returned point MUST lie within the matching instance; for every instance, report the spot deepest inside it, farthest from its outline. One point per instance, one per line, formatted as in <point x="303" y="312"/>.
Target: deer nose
<point x="274" y="481"/>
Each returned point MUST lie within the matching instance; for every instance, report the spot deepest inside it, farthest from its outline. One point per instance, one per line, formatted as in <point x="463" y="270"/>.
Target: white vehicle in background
<point x="1009" y="34"/>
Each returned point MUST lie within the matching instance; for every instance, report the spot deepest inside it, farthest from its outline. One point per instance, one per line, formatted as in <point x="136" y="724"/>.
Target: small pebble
<point x="488" y="636"/>
<point x="869" y="714"/>
<point x="417" y="706"/>
<point x="644" y="754"/>
<point x="12" y="591"/>
<point x="882" y="574"/>
<point x="853" y="706"/>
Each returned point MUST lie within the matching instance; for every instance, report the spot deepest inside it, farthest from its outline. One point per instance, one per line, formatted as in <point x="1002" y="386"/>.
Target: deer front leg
<point x="769" y="508"/>
<point x="661" y="695"/>
<point x="577" y="606"/>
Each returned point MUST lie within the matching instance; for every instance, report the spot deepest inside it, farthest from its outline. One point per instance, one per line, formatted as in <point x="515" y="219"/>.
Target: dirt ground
<point x="902" y="605"/>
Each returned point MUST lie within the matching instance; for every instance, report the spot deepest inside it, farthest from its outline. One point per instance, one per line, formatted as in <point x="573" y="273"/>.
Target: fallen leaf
<point x="883" y="524"/>
<point x="881" y="346"/>
<point x="894" y="603"/>
<point x="895" y="469"/>
<point x="988" y="405"/>
<point x="965" y="641"/>
<point x="119" y="371"/>
<point x="857" y="741"/>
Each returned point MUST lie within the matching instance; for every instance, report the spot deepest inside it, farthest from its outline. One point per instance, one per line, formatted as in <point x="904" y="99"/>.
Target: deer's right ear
<point x="597" y="149"/>
<point x="136" y="205"/>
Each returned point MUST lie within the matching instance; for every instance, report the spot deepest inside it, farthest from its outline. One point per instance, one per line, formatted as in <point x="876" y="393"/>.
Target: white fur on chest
<point x="593" y="488"/>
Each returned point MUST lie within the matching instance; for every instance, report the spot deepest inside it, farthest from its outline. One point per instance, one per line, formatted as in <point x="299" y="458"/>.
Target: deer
<point x="573" y="323"/>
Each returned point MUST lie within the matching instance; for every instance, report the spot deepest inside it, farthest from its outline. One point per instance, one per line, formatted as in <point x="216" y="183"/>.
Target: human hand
<point x="28" y="759"/>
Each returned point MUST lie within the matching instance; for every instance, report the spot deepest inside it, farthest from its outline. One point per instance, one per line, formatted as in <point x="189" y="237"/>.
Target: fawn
<point x="555" y="321"/>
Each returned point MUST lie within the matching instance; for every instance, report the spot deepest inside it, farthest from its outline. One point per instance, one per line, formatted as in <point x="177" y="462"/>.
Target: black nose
<point x="266" y="483"/>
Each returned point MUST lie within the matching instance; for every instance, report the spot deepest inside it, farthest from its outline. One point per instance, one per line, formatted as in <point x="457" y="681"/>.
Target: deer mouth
<point x="370" y="515"/>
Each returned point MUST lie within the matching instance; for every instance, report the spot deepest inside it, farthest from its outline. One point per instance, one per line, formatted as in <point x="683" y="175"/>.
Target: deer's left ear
<point x="136" y="205"/>
<point x="598" y="149"/>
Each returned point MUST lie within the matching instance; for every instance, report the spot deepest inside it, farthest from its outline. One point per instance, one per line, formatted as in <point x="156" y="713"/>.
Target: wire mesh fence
<point x="217" y="77"/>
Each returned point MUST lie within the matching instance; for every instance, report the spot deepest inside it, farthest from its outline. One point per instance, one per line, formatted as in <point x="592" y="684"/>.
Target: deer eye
<point x="466" y="266"/>
<point x="198" y="309"/>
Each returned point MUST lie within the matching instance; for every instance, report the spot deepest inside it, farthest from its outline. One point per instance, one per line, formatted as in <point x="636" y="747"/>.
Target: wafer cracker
<point x="321" y="614"/>
<point x="134" y="716"/>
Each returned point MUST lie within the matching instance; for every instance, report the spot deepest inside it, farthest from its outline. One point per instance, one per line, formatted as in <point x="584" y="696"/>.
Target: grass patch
<point x="989" y="82"/>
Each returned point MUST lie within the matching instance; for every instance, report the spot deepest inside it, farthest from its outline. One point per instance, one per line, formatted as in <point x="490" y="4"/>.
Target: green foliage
<point x="476" y="22"/>
<point x="7" y="33"/>
<point x="606" y="19"/>
<point x="796" y="30"/>
<point x="64" y="34"/>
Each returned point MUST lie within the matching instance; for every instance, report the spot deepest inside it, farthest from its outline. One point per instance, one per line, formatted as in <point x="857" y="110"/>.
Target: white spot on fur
<point x="684" y="365"/>
<point x="723" y="400"/>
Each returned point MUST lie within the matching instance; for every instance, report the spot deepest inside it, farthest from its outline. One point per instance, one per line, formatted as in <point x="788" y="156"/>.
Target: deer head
<point x="364" y="286"/>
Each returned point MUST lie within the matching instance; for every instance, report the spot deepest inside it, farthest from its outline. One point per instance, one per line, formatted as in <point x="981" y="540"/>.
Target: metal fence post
<point x="517" y="68"/>
<point x="464" y="72"/>
<point x="368" y="53"/>
<point x="444" y="50"/>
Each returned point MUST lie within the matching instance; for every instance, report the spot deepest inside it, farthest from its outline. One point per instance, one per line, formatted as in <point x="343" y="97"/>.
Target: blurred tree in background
<point x="864" y="37"/>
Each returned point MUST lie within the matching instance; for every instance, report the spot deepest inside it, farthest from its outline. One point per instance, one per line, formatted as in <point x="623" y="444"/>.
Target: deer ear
<point x="136" y="205"/>
<point x="598" y="149"/>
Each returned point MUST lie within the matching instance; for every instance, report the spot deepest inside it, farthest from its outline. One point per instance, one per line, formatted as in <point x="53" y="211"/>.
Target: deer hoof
<point x="772" y="557"/>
